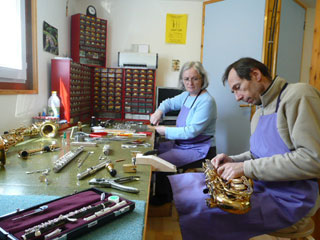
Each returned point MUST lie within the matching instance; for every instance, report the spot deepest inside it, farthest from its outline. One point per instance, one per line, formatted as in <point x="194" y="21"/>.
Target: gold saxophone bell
<point x="45" y="129"/>
<point x="233" y="196"/>
<point x="2" y="152"/>
<point x="48" y="129"/>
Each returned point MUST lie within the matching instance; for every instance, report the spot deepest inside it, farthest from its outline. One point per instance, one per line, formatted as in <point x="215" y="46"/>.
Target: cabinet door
<point x="292" y="19"/>
<point x="232" y="29"/>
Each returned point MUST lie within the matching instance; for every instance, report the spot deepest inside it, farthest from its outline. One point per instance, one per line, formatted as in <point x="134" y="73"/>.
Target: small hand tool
<point x="116" y="183"/>
<point x="43" y="171"/>
<point x="81" y="160"/>
<point x="106" y="149"/>
<point x="36" y="211"/>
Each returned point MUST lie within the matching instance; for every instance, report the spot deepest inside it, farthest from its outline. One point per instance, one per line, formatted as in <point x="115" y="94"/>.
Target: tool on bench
<point x="116" y="183"/>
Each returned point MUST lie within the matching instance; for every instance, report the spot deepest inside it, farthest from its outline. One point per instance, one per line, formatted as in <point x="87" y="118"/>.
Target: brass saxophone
<point x="233" y="196"/>
<point x="12" y="137"/>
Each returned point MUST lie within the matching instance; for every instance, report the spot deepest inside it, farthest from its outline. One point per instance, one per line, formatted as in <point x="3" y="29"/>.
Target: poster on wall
<point x="50" y="39"/>
<point x="176" y="28"/>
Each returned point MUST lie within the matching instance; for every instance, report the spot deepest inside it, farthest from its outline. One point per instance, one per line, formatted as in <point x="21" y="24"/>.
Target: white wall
<point x="129" y="22"/>
<point x="143" y="22"/>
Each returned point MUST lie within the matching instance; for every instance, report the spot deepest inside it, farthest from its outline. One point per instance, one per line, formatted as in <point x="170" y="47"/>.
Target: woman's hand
<point x="161" y="130"/>
<point x="156" y="117"/>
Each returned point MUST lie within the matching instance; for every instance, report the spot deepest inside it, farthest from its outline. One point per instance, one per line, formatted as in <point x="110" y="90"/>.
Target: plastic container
<point x="54" y="105"/>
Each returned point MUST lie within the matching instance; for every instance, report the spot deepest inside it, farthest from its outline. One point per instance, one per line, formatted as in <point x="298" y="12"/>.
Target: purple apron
<point x="275" y="205"/>
<point x="182" y="152"/>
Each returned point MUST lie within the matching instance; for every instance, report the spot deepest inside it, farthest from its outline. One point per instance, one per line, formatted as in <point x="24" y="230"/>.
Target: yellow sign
<point x="176" y="28"/>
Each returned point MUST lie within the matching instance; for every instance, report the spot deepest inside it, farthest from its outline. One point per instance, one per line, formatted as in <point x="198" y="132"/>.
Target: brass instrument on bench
<point x="12" y="137"/>
<point x="233" y="196"/>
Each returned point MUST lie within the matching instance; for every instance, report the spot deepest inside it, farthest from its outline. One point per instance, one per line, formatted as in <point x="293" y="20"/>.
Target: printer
<point x="138" y="60"/>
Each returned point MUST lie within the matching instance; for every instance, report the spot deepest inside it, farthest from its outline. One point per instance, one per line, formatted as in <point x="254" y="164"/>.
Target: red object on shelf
<point x="146" y="133"/>
<point x="98" y="134"/>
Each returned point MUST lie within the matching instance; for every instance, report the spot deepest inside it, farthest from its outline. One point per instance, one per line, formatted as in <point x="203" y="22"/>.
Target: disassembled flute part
<point x="233" y="196"/>
<point x="92" y="170"/>
<point x="43" y="171"/>
<point x="36" y="211"/>
<point x="25" y="153"/>
<point x="65" y="159"/>
<point x="81" y="161"/>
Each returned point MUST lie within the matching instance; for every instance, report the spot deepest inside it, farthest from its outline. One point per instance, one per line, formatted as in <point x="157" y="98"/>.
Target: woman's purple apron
<point x="182" y="152"/>
<point x="275" y="205"/>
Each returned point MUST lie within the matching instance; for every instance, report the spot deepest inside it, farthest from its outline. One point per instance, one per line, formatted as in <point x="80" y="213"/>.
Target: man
<point x="283" y="161"/>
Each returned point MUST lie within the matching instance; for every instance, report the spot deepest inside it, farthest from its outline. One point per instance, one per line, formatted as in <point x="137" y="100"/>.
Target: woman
<point x="194" y="133"/>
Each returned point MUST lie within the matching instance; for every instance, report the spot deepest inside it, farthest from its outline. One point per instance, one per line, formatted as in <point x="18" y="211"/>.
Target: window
<point x="13" y="42"/>
<point x="18" y="47"/>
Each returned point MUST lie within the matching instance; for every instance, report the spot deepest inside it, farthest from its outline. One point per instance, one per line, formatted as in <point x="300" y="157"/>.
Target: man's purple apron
<point x="275" y="205"/>
<point x="182" y="152"/>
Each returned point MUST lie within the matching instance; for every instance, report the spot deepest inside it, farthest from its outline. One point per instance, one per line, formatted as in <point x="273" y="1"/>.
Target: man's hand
<point x="156" y="117"/>
<point x="161" y="130"/>
<point x="231" y="170"/>
<point x="220" y="159"/>
<point x="226" y="168"/>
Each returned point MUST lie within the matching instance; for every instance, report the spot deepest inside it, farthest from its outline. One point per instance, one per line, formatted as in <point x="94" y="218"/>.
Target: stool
<point x="303" y="233"/>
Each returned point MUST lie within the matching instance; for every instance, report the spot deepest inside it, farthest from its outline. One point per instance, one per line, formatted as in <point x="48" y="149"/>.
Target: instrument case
<point x="80" y="206"/>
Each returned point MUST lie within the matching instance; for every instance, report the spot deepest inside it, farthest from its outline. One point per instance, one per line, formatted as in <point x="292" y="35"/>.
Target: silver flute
<point x="92" y="170"/>
<point x="57" y="222"/>
<point x="65" y="159"/>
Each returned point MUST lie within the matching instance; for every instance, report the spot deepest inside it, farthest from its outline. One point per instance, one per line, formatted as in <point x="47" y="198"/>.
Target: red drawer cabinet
<point x="73" y="83"/>
<point x="89" y="40"/>
<point x="107" y="93"/>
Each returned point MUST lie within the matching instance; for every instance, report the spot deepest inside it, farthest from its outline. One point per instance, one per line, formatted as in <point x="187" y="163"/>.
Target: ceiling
<point x="307" y="3"/>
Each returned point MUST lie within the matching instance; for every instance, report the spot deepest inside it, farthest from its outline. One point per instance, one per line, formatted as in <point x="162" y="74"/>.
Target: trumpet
<point x="233" y="196"/>
<point x="46" y="129"/>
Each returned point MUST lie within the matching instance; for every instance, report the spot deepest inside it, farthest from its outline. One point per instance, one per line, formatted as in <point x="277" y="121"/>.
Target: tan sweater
<point x="298" y="122"/>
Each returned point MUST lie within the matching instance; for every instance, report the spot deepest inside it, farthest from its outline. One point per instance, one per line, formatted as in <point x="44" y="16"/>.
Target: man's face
<point x="246" y="90"/>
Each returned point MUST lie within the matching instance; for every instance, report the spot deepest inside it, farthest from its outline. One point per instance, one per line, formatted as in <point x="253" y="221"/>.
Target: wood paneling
<point x="315" y="61"/>
<point x="315" y="81"/>
<point x="271" y="35"/>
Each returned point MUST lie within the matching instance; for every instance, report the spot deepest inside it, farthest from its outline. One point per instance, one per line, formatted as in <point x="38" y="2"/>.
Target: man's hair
<point x="244" y="66"/>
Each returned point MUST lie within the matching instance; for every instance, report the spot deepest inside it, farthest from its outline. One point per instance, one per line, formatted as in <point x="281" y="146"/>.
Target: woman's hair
<point x="199" y="68"/>
<point x="244" y="66"/>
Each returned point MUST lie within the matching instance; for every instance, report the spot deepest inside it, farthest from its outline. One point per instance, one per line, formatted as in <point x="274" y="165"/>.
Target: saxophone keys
<point x="239" y="186"/>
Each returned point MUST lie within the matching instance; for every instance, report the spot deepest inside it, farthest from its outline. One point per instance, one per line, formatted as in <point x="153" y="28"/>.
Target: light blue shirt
<point x="201" y="118"/>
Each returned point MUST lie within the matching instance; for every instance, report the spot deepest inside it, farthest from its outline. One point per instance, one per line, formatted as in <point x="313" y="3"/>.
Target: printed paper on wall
<point x="176" y="28"/>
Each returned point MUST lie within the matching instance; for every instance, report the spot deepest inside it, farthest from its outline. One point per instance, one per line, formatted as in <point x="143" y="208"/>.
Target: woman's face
<point x="192" y="81"/>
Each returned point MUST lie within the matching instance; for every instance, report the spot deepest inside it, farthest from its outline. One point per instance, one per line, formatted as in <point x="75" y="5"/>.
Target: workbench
<point x="15" y="183"/>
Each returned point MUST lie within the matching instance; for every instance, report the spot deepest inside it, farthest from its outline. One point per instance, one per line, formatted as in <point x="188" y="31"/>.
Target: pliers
<point x="116" y="183"/>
